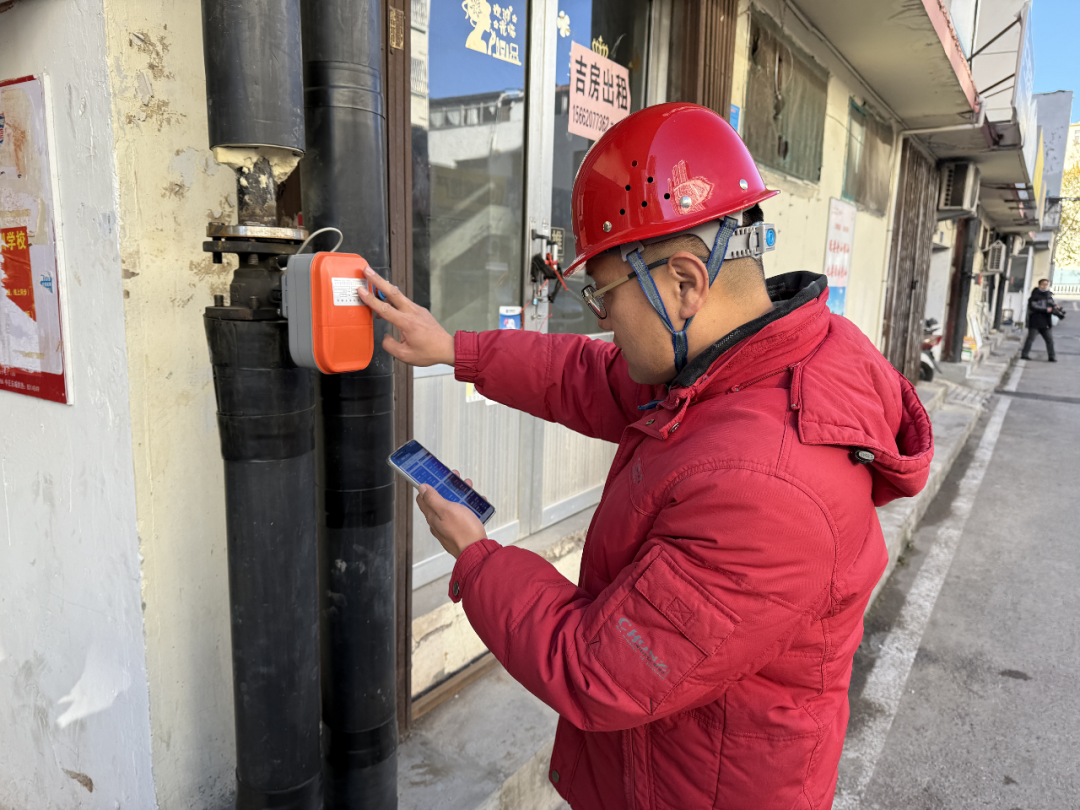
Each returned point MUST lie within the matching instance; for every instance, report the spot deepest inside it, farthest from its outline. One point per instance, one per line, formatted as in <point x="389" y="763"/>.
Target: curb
<point x="953" y="422"/>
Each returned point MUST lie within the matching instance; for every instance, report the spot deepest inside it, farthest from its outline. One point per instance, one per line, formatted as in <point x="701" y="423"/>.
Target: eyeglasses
<point x="595" y="298"/>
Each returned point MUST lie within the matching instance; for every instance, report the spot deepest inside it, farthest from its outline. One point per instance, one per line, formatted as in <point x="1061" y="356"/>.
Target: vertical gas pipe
<point x="266" y="411"/>
<point x="344" y="185"/>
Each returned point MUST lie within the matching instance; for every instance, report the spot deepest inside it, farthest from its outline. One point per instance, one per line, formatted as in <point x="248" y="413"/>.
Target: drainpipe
<point x="344" y="185"/>
<point x="266" y="409"/>
<point x="1003" y="282"/>
<point x="957" y="321"/>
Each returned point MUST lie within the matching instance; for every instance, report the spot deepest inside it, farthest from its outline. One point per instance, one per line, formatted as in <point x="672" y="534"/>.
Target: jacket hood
<point x="845" y="392"/>
<point x="851" y="396"/>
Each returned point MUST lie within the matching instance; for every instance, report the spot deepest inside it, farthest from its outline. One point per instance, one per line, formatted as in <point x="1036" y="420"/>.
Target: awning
<point x="908" y="54"/>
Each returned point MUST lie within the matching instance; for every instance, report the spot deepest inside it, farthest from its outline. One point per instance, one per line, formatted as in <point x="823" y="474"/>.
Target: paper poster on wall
<point x="31" y="341"/>
<point x="599" y="92"/>
<point x="839" y="242"/>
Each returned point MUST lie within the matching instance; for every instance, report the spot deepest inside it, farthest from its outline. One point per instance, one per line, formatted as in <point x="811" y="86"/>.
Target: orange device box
<point x="330" y="328"/>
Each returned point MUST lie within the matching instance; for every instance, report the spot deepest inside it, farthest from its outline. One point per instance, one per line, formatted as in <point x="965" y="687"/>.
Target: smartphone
<point x="420" y="467"/>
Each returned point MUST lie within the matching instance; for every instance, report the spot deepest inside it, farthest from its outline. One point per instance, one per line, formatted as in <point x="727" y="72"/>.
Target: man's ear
<point x="692" y="278"/>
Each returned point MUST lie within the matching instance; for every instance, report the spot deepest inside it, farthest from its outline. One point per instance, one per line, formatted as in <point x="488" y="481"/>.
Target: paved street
<point x="965" y="691"/>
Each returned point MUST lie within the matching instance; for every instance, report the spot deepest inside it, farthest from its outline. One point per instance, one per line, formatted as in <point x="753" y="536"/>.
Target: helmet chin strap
<point x="648" y="286"/>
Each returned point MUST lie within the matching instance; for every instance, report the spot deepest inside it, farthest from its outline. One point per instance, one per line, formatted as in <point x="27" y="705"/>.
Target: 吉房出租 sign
<point x="599" y="92"/>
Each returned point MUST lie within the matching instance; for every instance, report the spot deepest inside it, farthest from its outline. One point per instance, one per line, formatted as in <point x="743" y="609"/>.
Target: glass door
<point x="601" y="52"/>
<point x="469" y="116"/>
<point x="494" y="159"/>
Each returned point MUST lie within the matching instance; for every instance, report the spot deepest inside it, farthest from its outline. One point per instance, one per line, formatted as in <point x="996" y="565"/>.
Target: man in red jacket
<point x="703" y="658"/>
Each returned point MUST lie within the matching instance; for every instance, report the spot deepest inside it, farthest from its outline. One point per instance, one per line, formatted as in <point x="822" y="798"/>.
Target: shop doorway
<point x="909" y="263"/>
<point x="494" y="155"/>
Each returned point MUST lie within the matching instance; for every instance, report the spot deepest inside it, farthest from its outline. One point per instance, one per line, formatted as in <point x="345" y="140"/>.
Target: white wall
<point x="940" y="277"/>
<point x="801" y="211"/>
<point x="170" y="187"/>
<point x="71" y="630"/>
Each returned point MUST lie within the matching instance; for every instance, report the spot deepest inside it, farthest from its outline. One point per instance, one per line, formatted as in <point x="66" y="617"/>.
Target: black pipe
<point x="344" y="185"/>
<point x="266" y="412"/>
<point x="254" y="83"/>
<point x="266" y="415"/>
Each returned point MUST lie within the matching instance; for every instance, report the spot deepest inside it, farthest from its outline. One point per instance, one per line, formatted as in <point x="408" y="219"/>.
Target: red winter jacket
<point x="703" y="658"/>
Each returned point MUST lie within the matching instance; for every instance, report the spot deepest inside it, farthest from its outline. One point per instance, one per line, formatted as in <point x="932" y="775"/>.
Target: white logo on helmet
<point x="688" y="194"/>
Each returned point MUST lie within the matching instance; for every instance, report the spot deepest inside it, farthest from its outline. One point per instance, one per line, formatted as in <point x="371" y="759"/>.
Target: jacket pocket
<point x="662" y="629"/>
<point x="685" y="761"/>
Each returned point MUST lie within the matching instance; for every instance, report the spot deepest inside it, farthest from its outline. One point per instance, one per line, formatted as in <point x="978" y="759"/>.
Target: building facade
<point x="115" y="666"/>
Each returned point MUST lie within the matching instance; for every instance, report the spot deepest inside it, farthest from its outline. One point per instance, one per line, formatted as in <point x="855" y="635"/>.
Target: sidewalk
<point x="963" y="692"/>
<point x="488" y="747"/>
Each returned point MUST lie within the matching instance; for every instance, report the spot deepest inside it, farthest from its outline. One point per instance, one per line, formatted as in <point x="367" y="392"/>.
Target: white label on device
<point x="345" y="291"/>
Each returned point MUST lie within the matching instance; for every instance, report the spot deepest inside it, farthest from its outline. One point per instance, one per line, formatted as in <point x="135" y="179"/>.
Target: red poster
<point x="31" y="339"/>
<point x="17" y="279"/>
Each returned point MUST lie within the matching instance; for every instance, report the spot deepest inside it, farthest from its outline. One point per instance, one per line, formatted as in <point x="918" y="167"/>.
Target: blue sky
<point x="1054" y="26"/>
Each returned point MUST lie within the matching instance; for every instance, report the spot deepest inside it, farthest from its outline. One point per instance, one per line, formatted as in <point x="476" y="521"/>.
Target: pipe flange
<point x="219" y="230"/>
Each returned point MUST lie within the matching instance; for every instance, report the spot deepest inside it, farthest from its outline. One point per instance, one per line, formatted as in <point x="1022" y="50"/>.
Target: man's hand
<point x="423" y="342"/>
<point x="454" y="525"/>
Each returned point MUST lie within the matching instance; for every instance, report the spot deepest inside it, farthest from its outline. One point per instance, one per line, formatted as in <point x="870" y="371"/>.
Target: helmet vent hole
<point x="633" y="163"/>
<point x="667" y="196"/>
<point x="650" y="179"/>
<point x="644" y="203"/>
<point x="622" y="212"/>
<point x="627" y="186"/>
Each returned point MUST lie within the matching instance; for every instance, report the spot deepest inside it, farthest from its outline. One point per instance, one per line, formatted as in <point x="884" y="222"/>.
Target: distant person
<point x="1041" y="307"/>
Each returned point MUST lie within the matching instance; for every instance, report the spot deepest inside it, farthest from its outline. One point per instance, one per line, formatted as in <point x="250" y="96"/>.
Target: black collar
<point x="788" y="292"/>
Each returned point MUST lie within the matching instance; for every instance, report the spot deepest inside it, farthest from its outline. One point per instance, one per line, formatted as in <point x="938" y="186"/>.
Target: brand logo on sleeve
<point x="632" y="637"/>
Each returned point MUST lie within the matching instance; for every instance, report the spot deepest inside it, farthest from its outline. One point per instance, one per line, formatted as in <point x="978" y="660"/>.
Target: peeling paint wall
<point x="801" y="211"/>
<point x="170" y="187"/>
<point x="74" y="714"/>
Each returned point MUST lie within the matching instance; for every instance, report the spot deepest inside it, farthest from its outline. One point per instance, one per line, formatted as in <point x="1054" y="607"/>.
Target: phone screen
<point x="420" y="467"/>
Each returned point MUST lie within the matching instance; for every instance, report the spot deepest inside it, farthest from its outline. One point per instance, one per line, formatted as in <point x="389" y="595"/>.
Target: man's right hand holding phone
<point x="423" y="341"/>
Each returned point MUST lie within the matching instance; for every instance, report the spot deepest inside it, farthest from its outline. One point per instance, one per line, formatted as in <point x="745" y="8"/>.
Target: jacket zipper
<point x="736" y="388"/>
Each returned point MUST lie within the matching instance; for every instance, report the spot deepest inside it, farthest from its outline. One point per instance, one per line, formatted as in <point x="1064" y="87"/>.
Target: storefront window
<point x="468" y="116"/>
<point x="617" y="30"/>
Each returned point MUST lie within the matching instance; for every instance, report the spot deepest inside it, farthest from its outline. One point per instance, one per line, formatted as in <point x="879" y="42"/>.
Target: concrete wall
<point x="801" y="211"/>
<point x="1054" y="111"/>
<point x="74" y="715"/>
<point x="170" y="186"/>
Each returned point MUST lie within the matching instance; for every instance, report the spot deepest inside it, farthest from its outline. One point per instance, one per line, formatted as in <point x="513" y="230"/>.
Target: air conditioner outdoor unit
<point x="995" y="258"/>
<point x="958" y="193"/>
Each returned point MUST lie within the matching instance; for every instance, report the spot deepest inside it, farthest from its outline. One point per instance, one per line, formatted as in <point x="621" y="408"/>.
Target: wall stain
<point x="219" y="276"/>
<point x="153" y="51"/>
<point x="82" y="779"/>
<point x="158" y="111"/>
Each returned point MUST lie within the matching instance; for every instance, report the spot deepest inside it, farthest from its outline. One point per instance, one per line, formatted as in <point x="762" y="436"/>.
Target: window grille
<point x="785" y="102"/>
<point x="868" y="169"/>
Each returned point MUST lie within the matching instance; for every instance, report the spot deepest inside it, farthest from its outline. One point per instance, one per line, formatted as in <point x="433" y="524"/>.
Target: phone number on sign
<point x="593" y="120"/>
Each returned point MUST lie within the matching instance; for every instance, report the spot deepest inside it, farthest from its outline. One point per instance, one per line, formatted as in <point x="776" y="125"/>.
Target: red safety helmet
<point x="659" y="171"/>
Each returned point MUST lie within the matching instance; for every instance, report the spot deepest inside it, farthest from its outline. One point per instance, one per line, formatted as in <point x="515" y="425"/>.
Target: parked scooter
<point x="928" y="365"/>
